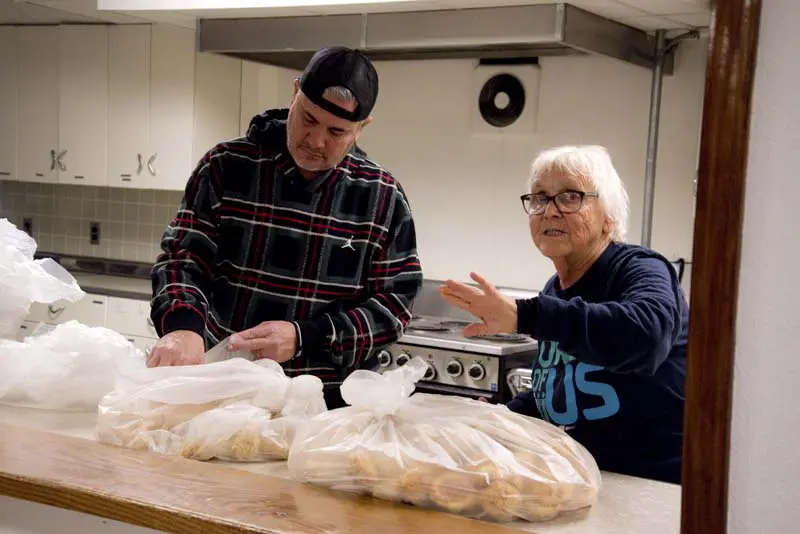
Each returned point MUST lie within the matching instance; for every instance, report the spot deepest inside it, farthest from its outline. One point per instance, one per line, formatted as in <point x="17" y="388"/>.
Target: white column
<point x="765" y="441"/>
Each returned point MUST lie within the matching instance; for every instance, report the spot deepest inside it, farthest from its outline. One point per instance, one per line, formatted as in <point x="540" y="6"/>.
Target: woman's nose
<point x="550" y="210"/>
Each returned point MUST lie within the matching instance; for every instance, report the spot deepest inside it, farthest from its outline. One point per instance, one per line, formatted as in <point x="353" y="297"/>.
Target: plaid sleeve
<point x="182" y="273"/>
<point x="394" y="278"/>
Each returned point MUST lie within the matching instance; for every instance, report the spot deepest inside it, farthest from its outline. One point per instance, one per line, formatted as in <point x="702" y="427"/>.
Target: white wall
<point x="765" y="463"/>
<point x="465" y="190"/>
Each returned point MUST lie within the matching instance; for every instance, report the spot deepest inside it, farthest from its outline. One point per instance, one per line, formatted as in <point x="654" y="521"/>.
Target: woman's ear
<point x="608" y="226"/>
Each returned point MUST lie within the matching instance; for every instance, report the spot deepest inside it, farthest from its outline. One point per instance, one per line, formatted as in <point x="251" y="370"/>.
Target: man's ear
<point x="295" y="90"/>
<point x="364" y="124"/>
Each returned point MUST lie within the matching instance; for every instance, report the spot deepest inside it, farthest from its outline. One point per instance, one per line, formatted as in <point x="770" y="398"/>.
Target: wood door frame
<point x="730" y="70"/>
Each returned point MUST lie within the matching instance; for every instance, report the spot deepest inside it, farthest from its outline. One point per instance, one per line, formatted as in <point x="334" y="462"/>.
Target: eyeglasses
<point x="566" y="201"/>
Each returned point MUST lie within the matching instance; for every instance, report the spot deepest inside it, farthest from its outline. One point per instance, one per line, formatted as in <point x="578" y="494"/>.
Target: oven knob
<point x="384" y="358"/>
<point x="430" y="374"/>
<point x="454" y="368"/>
<point x="476" y="371"/>
<point x="403" y="358"/>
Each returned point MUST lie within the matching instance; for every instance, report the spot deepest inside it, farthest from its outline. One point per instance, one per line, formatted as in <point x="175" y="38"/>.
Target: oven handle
<point x="445" y="389"/>
<point x="519" y="380"/>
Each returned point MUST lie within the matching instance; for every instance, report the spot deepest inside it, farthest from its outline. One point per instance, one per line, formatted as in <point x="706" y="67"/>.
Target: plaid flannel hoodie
<point x="253" y="241"/>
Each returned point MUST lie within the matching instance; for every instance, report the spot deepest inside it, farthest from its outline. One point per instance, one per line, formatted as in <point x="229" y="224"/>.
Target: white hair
<point x="593" y="163"/>
<point x="338" y="92"/>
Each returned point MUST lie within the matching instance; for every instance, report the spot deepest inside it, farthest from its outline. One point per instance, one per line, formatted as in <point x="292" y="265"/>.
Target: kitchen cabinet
<point x="126" y="106"/>
<point x="83" y="104"/>
<point x="8" y="102"/>
<point x="129" y="106"/>
<point x="130" y="317"/>
<point x="217" y="103"/>
<point x="90" y="310"/>
<point x="171" y="106"/>
<point x="37" y="123"/>
<point x="144" y="344"/>
<point x="25" y="329"/>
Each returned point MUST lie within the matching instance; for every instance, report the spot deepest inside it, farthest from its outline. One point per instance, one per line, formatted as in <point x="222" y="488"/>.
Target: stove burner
<point x="454" y="323"/>
<point x="503" y="338"/>
<point x="428" y="327"/>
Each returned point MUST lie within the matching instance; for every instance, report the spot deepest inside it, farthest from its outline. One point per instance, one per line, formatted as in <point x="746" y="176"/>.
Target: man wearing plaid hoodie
<point x="292" y="239"/>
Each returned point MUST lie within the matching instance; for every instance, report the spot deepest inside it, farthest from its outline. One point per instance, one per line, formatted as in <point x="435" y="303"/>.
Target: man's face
<point x="317" y="139"/>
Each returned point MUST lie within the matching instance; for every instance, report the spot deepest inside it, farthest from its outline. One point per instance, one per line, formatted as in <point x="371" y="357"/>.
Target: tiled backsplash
<point x="131" y="221"/>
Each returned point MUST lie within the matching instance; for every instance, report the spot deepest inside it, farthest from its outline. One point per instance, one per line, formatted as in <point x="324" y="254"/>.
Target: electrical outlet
<point x="94" y="233"/>
<point x="27" y="225"/>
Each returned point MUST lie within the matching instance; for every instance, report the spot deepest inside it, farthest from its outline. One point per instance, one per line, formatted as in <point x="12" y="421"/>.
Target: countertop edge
<point x="107" y="506"/>
<point x="116" y="293"/>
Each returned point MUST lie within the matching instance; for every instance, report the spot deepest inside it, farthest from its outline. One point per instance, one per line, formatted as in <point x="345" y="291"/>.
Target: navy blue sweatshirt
<point x="612" y="361"/>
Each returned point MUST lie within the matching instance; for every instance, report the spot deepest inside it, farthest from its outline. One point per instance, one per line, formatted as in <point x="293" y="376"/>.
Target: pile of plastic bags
<point x="450" y="453"/>
<point x="71" y="366"/>
<point x="24" y="280"/>
<point x="234" y="410"/>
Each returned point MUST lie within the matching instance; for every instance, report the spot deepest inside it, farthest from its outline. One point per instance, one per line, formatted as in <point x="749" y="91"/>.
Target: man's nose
<point x="316" y="139"/>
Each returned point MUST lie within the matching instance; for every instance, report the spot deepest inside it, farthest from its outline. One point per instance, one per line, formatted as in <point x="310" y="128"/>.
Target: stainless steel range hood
<point x="485" y="33"/>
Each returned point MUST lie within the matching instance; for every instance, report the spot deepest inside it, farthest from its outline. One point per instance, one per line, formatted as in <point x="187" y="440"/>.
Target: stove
<point x="475" y="366"/>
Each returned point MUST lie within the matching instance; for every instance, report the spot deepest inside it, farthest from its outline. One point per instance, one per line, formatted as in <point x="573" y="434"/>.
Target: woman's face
<point x="564" y="235"/>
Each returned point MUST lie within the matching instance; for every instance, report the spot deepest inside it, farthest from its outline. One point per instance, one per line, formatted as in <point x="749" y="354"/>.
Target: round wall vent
<point x="501" y="100"/>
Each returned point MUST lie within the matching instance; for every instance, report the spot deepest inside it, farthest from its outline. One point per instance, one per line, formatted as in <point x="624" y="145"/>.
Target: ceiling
<point x="642" y="14"/>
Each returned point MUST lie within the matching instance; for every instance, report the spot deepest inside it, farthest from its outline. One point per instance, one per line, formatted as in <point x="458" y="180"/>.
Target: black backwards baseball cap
<point x="340" y="66"/>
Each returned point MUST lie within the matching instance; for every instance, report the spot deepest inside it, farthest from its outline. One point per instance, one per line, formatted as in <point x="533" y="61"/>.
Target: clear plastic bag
<point x="236" y="410"/>
<point x="24" y="280"/>
<point x="454" y="454"/>
<point x="71" y="367"/>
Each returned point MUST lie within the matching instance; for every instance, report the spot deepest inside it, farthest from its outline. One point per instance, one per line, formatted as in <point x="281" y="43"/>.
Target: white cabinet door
<point x="90" y="310"/>
<point x="144" y="344"/>
<point x="217" y="101"/>
<point x="171" y="106"/>
<point x="83" y="104"/>
<point x="26" y="329"/>
<point x="37" y="132"/>
<point x="129" y="106"/>
<point x="130" y="317"/>
<point x="8" y="103"/>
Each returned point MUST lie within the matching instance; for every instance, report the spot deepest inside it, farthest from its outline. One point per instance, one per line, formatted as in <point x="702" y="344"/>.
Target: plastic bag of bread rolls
<point x="450" y="453"/>
<point x="210" y="411"/>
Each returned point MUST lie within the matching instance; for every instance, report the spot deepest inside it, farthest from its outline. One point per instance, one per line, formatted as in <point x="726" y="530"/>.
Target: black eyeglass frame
<point x="552" y="198"/>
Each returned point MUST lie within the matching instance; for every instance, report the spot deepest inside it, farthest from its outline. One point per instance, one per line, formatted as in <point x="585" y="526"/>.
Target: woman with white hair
<point x="612" y="323"/>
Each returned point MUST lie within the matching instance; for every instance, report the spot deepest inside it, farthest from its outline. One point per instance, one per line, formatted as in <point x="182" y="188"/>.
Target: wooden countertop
<point x="178" y="495"/>
<point x="51" y="458"/>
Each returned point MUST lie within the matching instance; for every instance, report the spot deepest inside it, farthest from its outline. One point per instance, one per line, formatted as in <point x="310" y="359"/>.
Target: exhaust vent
<point x="485" y="33"/>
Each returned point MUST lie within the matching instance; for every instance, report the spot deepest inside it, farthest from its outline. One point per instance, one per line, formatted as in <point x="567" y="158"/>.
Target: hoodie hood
<point x="268" y="130"/>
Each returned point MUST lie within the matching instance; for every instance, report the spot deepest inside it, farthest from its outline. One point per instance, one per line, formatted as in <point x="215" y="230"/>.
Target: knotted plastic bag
<point x="71" y="367"/>
<point x="24" y="280"/>
<point x="454" y="454"/>
<point x="236" y="410"/>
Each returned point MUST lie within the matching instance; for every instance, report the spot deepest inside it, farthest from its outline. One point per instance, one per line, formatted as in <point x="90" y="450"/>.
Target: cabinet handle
<point x="4" y="173"/>
<point x="141" y="164"/>
<point x="98" y="302"/>
<point x="54" y="310"/>
<point x="53" y="158"/>
<point x="79" y="177"/>
<point x="125" y="177"/>
<point x="61" y="163"/>
<point x="150" y="164"/>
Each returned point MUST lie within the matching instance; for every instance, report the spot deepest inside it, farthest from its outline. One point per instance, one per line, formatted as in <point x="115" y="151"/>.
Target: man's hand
<point x="276" y="340"/>
<point x="181" y="347"/>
